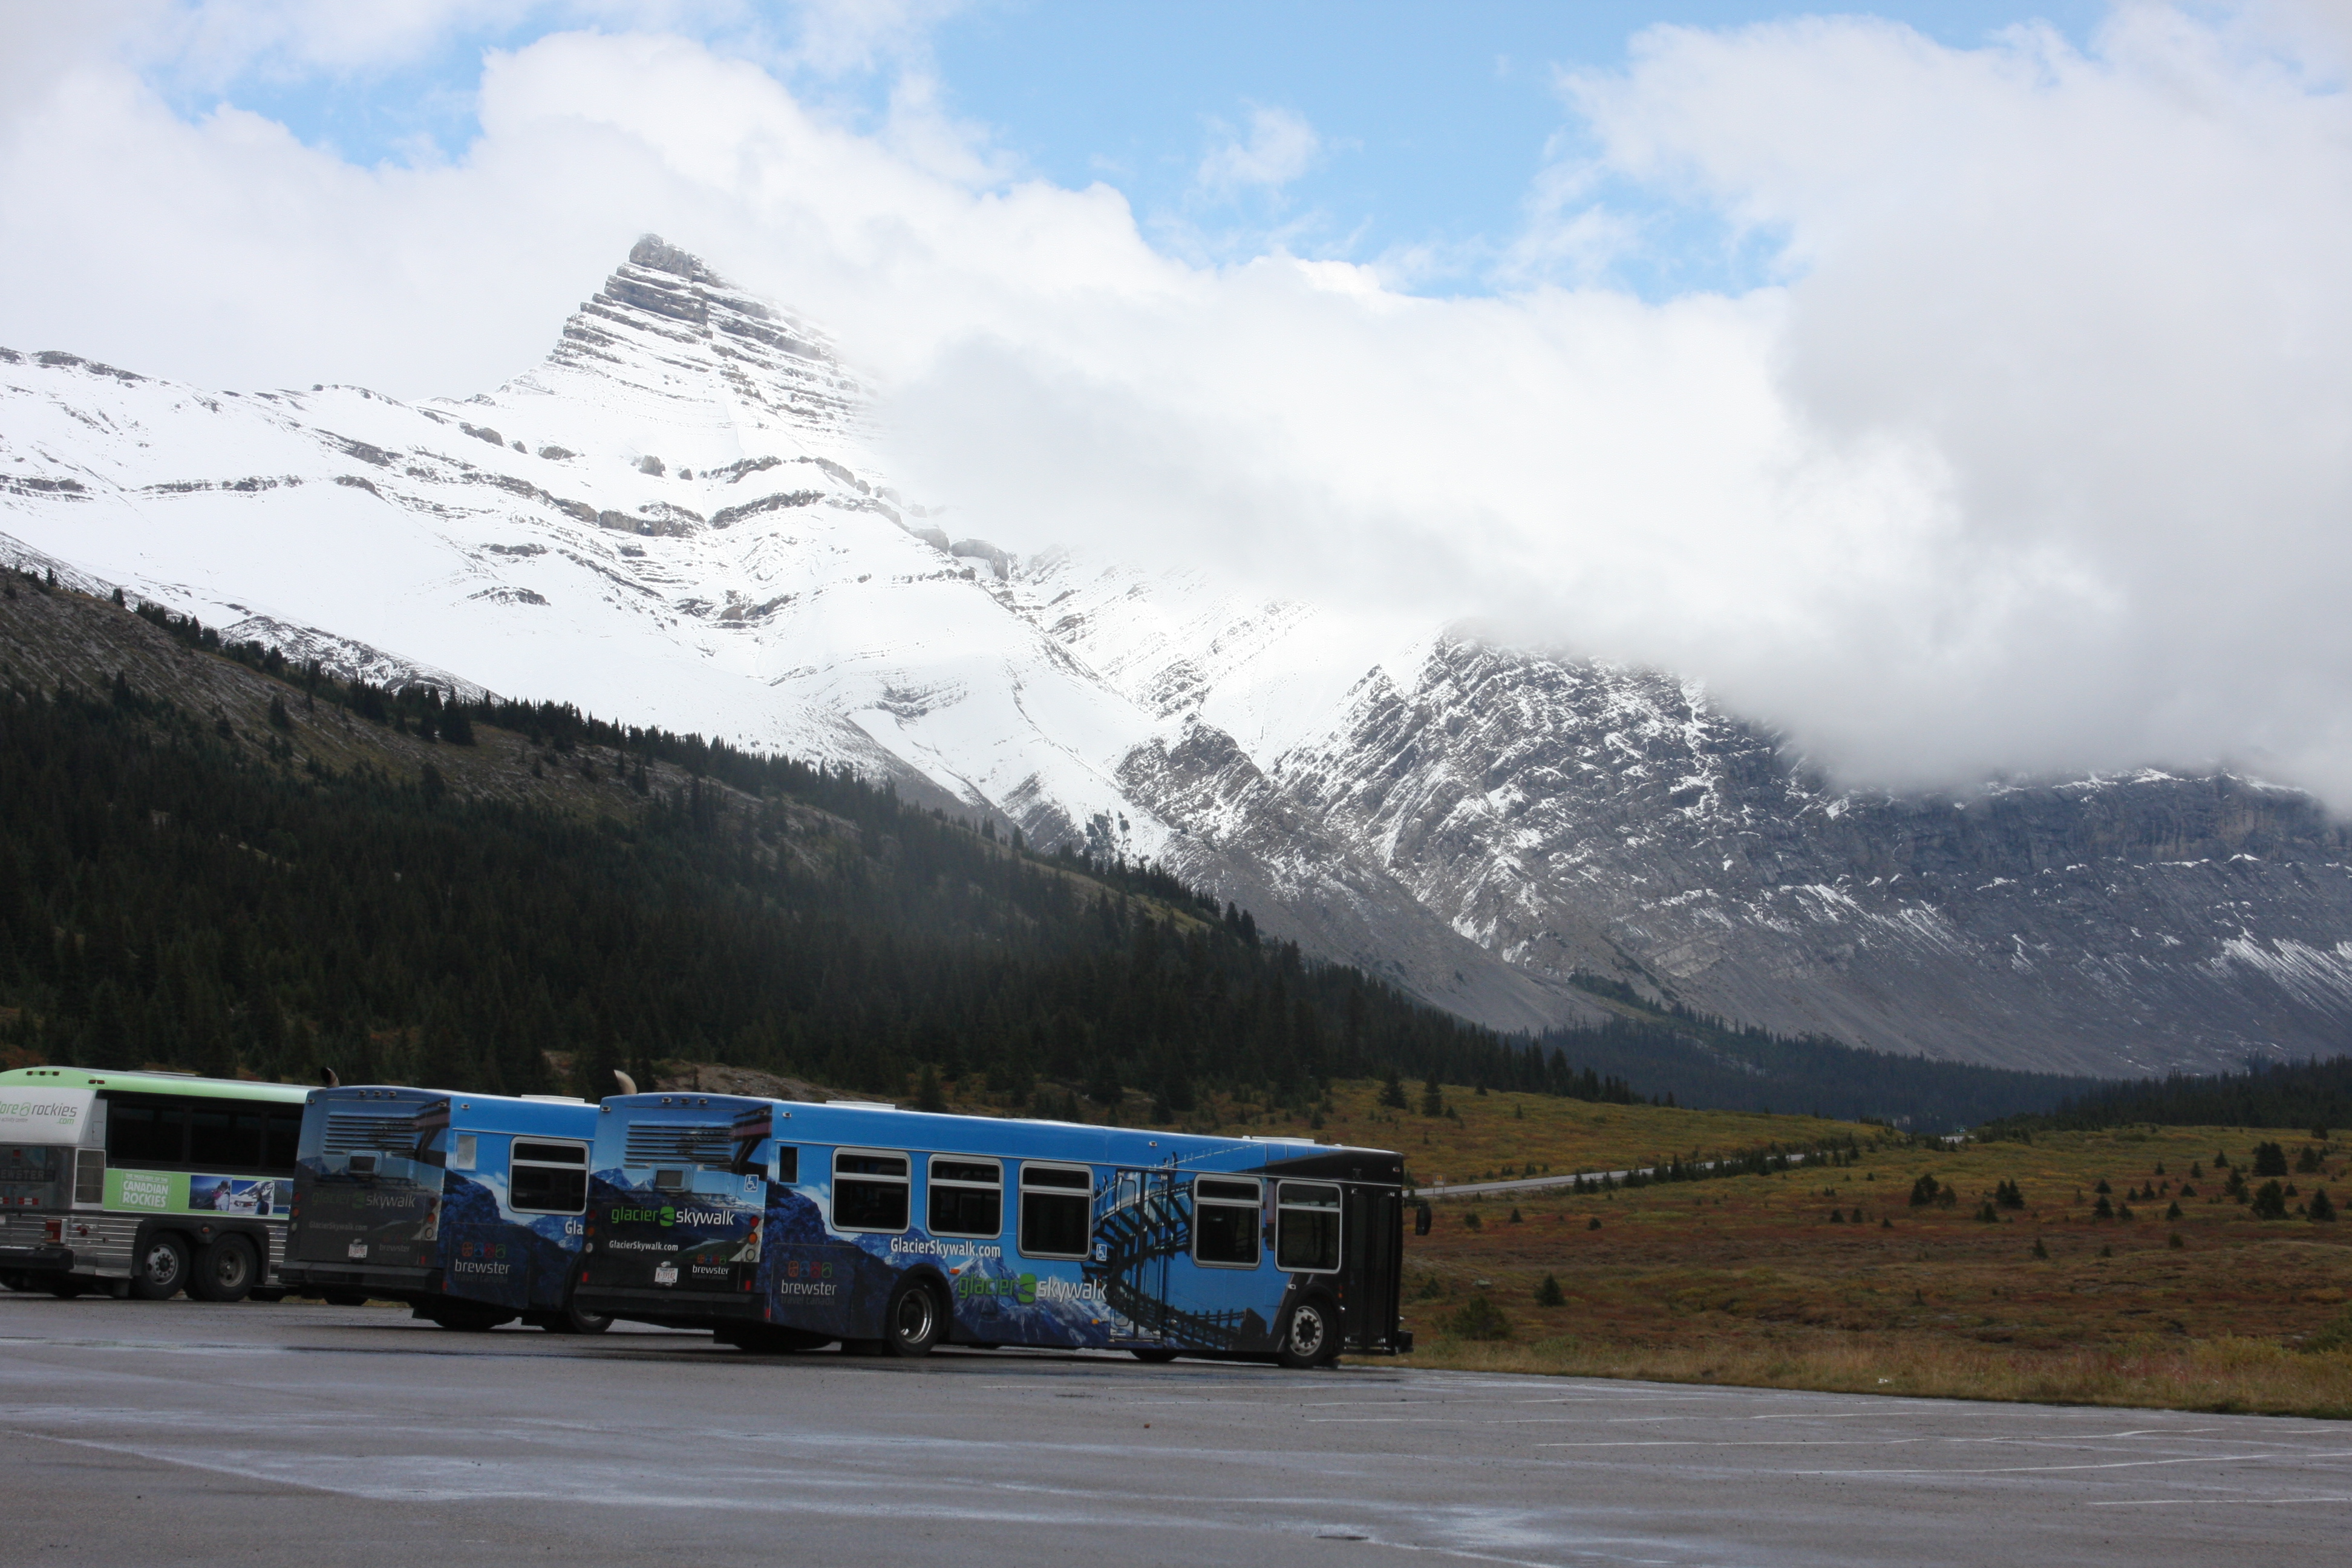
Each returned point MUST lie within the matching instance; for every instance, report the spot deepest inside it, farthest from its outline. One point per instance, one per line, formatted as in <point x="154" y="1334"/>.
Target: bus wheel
<point x="575" y="1321"/>
<point x="1157" y="1358"/>
<point x="1311" y="1338"/>
<point x="225" y="1271"/>
<point x="161" y="1269"/>
<point x="913" y="1323"/>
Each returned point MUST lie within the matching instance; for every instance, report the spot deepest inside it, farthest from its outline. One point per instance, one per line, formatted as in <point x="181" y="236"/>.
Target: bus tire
<point x="575" y="1319"/>
<point x="1156" y="1357"/>
<point x="1311" y="1334"/>
<point x="225" y="1271"/>
<point x="161" y="1268"/>
<point x="914" y="1322"/>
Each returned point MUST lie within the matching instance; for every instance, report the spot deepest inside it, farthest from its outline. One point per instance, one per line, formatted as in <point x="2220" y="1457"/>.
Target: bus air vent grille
<point x="674" y="1143"/>
<point x="350" y="1134"/>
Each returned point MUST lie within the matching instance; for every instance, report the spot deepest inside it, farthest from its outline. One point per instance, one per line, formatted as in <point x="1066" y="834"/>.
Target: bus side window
<point x="547" y="1178"/>
<point x="284" y="1136"/>
<point x="224" y="1133"/>
<point x="787" y="1167"/>
<point x="1307" y="1227"/>
<point x="967" y="1196"/>
<point x="146" y="1131"/>
<point x="89" y="1178"/>
<point x="1225" y="1221"/>
<point x="1056" y="1210"/>
<point x="869" y="1190"/>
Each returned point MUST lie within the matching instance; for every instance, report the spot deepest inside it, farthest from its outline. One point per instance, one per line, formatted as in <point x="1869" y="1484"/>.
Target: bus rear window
<point x="31" y="1176"/>
<point x="1056" y="1210"/>
<point x="869" y="1191"/>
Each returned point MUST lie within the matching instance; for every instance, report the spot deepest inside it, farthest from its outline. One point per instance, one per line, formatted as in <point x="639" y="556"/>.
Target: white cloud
<point x="2039" y="458"/>
<point x="1281" y="146"/>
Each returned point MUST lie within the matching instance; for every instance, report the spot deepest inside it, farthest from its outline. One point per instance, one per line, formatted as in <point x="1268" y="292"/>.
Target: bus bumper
<point x="392" y="1284"/>
<point x="697" y="1309"/>
<point x="36" y="1258"/>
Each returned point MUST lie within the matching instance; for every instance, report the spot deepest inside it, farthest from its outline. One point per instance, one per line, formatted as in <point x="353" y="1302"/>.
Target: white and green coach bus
<point x="144" y="1183"/>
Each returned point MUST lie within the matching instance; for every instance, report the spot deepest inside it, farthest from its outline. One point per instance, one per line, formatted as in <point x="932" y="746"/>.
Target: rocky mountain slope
<point x="681" y="514"/>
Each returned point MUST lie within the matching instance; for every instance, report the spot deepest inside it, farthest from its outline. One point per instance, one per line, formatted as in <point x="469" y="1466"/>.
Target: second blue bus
<point x="782" y="1226"/>
<point x="469" y="1207"/>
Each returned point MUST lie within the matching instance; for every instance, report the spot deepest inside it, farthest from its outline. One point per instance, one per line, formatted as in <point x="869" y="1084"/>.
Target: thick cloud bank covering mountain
<point x="680" y="517"/>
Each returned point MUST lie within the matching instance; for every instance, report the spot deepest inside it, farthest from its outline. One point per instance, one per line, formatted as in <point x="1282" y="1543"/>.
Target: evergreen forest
<point x="168" y="897"/>
<point x="2311" y="1094"/>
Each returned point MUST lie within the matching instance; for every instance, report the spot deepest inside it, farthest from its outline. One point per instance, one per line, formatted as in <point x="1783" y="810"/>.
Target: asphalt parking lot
<point x="174" y="1432"/>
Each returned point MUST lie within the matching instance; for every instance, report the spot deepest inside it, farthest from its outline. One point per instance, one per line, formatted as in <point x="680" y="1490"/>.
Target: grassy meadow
<point x="1747" y="1278"/>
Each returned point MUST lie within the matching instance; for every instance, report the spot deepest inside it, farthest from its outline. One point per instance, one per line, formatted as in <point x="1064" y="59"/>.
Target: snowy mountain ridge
<point x="680" y="516"/>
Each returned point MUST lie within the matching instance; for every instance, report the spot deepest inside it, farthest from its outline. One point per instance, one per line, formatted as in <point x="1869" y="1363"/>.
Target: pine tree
<point x="928" y="1096"/>
<point x="1549" y="1293"/>
<point x="1433" y="1098"/>
<point x="1393" y="1091"/>
<point x="2322" y="1211"/>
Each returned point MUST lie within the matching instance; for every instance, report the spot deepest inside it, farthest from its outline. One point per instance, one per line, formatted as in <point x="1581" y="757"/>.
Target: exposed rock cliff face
<point x="679" y="516"/>
<point x="1572" y="816"/>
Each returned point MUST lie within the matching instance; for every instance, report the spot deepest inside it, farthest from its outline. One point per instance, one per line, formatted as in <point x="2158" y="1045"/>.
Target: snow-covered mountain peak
<point x="670" y="353"/>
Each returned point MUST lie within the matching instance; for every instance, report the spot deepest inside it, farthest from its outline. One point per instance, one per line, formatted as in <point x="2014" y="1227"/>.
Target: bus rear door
<point x="1372" y="1224"/>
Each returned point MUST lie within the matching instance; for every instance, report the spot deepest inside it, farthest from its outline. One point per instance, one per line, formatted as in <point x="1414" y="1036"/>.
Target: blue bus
<point x="469" y="1207"/>
<point x="785" y="1226"/>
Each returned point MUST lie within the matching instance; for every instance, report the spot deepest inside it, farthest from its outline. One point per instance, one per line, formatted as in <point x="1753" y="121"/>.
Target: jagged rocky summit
<point x="680" y="517"/>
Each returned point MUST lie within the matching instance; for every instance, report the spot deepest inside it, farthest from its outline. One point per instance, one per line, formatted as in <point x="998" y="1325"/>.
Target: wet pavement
<point x="135" y="1433"/>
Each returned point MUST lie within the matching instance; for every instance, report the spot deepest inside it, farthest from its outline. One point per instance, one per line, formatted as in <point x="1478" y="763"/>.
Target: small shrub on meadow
<point x="1478" y="1318"/>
